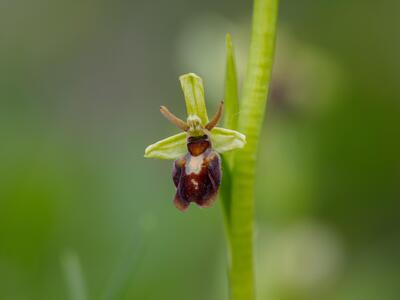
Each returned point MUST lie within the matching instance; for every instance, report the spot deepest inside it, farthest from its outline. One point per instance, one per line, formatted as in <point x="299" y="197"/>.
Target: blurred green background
<point x="81" y="210"/>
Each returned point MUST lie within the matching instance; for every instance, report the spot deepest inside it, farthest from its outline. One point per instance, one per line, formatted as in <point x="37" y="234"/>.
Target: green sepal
<point x="172" y="147"/>
<point x="224" y="140"/>
<point x="193" y="91"/>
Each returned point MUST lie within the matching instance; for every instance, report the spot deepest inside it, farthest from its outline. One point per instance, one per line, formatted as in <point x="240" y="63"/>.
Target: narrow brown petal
<point x="173" y="119"/>
<point x="214" y="121"/>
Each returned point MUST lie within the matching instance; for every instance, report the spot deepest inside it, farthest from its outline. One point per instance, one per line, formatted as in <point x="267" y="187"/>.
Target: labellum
<point x="197" y="175"/>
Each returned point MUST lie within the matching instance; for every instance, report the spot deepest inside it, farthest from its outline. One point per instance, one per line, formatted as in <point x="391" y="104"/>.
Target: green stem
<point x="251" y="117"/>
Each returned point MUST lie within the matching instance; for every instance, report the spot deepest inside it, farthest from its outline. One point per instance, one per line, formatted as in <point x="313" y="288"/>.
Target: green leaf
<point x="224" y="140"/>
<point x="231" y="90"/>
<point x="193" y="90"/>
<point x="231" y="94"/>
<point x="172" y="147"/>
<point x="226" y="192"/>
<point x="74" y="275"/>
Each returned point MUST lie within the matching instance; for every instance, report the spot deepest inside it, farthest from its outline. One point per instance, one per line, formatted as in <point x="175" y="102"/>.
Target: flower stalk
<point x="252" y="110"/>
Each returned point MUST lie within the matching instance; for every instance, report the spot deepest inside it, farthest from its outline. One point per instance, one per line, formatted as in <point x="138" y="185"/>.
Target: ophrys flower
<point x="197" y="167"/>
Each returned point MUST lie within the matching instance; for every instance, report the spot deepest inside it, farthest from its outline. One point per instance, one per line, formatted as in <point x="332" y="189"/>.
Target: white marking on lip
<point x="195" y="183"/>
<point x="194" y="164"/>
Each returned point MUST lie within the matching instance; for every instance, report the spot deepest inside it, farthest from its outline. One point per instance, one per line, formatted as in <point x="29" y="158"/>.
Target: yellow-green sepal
<point x="193" y="91"/>
<point x="224" y="140"/>
<point x="171" y="147"/>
